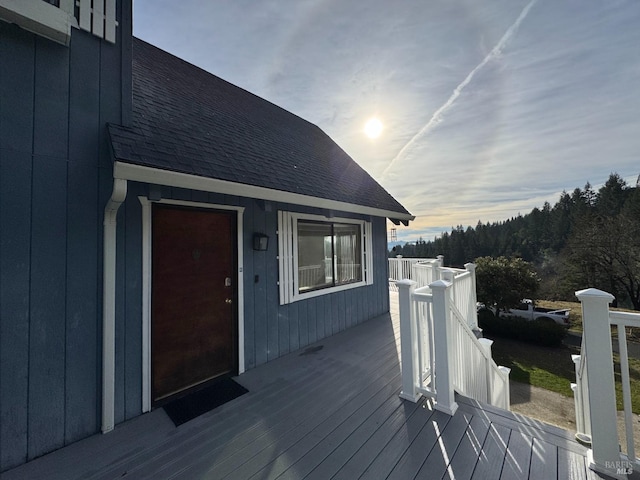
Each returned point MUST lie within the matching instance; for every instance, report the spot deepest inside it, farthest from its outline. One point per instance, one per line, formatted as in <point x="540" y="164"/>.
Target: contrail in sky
<point x="435" y="118"/>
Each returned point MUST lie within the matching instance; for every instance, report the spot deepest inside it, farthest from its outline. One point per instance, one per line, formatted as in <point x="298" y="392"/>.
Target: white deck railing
<point x="440" y="352"/>
<point x="594" y="390"/>
<point x="425" y="271"/>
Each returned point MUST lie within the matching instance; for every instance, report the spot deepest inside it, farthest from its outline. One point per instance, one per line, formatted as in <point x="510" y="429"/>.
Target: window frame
<point x="288" y="256"/>
<point x="41" y="17"/>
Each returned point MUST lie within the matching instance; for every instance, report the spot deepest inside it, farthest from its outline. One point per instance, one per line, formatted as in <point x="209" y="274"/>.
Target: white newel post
<point x="506" y="393"/>
<point x="448" y="276"/>
<point x="439" y="265"/>
<point x="471" y="267"/>
<point x="486" y="346"/>
<point x="442" y="339"/>
<point x="408" y="341"/>
<point x="604" y="455"/>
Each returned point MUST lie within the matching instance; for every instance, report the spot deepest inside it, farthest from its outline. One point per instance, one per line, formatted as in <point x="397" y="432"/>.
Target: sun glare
<point x="373" y="128"/>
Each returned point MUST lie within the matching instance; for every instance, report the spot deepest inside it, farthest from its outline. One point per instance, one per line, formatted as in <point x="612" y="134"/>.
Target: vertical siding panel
<point x="51" y="121"/>
<point x="311" y="320"/>
<point x="47" y="332"/>
<point x="48" y="255"/>
<point x="16" y="88"/>
<point x="260" y="287"/>
<point x="357" y="305"/>
<point x="328" y="316"/>
<point x="16" y="120"/>
<point x="132" y="227"/>
<point x="351" y="307"/>
<point x="81" y="396"/>
<point x="320" y="317"/>
<point x="342" y="301"/>
<point x="335" y="313"/>
<point x="294" y="335"/>
<point x="382" y="270"/>
<point x="15" y="244"/>
<point x="303" y="328"/>
<point x="249" y="306"/>
<point x="271" y="278"/>
<point x="283" y="330"/>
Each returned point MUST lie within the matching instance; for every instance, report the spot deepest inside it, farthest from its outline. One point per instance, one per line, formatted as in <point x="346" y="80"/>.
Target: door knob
<point x="228" y="300"/>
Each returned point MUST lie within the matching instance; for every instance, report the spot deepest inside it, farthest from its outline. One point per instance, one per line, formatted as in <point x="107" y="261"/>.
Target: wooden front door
<point x="193" y="303"/>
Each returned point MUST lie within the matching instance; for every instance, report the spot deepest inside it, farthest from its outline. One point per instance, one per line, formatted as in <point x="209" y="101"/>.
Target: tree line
<point x="587" y="239"/>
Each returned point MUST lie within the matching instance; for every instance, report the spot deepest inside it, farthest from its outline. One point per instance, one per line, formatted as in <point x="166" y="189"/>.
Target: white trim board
<point x="138" y="173"/>
<point x="146" y="286"/>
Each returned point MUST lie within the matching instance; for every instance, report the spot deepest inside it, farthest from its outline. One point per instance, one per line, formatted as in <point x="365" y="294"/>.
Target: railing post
<point x="583" y="431"/>
<point x="442" y="339"/>
<point x="596" y="337"/>
<point x="506" y="394"/>
<point x="471" y="267"/>
<point x="438" y="266"/>
<point x="486" y="346"/>
<point x="408" y="341"/>
<point x="448" y="276"/>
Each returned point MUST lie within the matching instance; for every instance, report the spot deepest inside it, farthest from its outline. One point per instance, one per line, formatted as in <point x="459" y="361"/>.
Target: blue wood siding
<point x="55" y="178"/>
<point x="270" y="329"/>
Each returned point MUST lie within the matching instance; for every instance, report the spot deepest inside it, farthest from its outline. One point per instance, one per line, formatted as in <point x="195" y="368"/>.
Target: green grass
<point x="552" y="368"/>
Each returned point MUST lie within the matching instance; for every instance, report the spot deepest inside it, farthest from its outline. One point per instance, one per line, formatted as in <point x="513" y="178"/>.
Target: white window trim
<point x="146" y="287"/>
<point x="288" y="258"/>
<point x="54" y="23"/>
<point x="41" y="17"/>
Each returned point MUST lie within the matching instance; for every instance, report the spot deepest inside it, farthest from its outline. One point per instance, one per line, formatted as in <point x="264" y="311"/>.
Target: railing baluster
<point x="408" y="341"/>
<point x="626" y="390"/>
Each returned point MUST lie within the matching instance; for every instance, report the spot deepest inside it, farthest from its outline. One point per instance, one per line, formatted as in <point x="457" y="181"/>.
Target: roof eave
<point x="157" y="176"/>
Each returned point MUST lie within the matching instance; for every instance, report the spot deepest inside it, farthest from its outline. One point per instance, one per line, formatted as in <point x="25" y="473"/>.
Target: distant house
<point x="159" y="227"/>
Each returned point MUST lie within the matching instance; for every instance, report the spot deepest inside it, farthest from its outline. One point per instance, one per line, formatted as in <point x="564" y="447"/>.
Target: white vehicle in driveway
<point x="529" y="311"/>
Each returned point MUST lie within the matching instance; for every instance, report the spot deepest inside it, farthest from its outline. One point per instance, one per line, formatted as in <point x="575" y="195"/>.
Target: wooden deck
<point x="328" y="411"/>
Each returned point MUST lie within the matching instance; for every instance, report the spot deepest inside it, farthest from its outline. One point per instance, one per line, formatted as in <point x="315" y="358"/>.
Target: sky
<point x="488" y="108"/>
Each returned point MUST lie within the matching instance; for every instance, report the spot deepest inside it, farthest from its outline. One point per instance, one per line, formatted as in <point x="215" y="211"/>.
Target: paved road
<point x="633" y="348"/>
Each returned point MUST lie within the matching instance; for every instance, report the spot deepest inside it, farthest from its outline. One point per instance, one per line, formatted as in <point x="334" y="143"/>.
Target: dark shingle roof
<point x="190" y="121"/>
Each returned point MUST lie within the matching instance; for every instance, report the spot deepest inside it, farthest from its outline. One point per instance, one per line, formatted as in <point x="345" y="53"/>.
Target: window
<point x="318" y="255"/>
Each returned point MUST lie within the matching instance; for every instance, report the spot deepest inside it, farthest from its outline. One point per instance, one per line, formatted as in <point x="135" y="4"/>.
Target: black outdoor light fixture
<point x="260" y="242"/>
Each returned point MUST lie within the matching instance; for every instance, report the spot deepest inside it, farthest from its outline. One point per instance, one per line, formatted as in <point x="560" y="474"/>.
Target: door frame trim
<point x="147" y="278"/>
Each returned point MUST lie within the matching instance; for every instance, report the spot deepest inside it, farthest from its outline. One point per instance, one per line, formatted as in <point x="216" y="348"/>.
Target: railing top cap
<point x="594" y="293"/>
<point x="440" y="284"/>
<point x="405" y="282"/>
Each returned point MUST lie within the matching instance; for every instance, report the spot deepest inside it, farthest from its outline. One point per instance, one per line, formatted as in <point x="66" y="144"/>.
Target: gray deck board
<point x="518" y="458"/>
<point x="326" y="413"/>
<point x="414" y="457"/>
<point x="385" y="400"/>
<point x="440" y="456"/>
<point x="544" y="461"/>
<point x="491" y="457"/>
<point x="466" y="456"/>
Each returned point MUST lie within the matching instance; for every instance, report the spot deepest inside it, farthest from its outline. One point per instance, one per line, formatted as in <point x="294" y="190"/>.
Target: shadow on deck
<point x="330" y="412"/>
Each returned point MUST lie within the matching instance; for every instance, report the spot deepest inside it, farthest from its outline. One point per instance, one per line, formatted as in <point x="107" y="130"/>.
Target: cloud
<point x="437" y="115"/>
<point x="532" y="98"/>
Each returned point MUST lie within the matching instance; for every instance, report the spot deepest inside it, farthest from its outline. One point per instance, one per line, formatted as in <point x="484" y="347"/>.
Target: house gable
<point x="188" y="121"/>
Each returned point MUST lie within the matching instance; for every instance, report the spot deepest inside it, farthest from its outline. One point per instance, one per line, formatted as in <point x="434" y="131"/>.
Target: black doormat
<point x="195" y="404"/>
